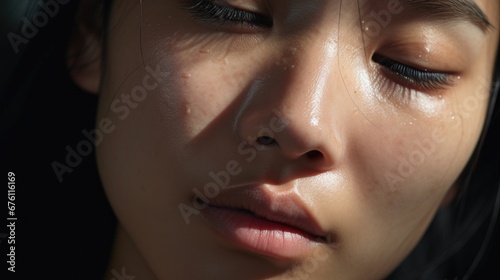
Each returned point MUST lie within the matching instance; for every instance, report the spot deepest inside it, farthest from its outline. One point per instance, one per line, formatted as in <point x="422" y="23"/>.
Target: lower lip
<point x="259" y="235"/>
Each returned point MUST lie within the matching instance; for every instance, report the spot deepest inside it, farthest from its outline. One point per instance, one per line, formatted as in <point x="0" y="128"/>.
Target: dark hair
<point x="65" y="228"/>
<point x="459" y="243"/>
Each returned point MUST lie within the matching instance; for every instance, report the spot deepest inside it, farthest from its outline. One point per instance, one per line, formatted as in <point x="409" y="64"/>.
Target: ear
<point x="83" y="57"/>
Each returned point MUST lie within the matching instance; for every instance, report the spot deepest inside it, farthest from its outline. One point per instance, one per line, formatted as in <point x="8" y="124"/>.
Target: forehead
<point x="483" y="14"/>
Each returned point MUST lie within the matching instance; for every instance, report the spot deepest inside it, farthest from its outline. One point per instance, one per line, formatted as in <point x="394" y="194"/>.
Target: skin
<point x="385" y="157"/>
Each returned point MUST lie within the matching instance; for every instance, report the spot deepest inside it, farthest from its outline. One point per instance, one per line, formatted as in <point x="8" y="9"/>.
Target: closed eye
<point x="412" y="77"/>
<point x="207" y="10"/>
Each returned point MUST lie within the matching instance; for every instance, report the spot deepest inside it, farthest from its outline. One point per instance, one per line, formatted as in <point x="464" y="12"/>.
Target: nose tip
<point x="294" y="139"/>
<point x="307" y="144"/>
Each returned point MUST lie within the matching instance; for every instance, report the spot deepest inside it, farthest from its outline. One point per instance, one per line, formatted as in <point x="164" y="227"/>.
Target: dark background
<point x="64" y="230"/>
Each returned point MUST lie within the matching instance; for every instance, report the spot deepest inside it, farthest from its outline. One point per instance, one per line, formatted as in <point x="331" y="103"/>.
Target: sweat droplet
<point x="186" y="75"/>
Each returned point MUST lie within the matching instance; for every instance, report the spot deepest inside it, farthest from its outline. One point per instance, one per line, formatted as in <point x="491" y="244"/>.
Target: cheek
<point x="406" y="152"/>
<point x="409" y="163"/>
<point x="159" y="110"/>
<point x="188" y="86"/>
<point x="397" y="176"/>
<point x="205" y="90"/>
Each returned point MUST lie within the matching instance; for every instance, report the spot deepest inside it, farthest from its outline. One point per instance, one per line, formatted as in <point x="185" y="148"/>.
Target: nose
<point x="291" y="111"/>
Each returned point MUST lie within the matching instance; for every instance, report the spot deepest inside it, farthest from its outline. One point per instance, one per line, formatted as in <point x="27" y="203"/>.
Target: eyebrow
<point x="448" y="11"/>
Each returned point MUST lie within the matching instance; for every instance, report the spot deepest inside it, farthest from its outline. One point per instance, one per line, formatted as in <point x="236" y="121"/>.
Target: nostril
<point x="314" y="155"/>
<point x="266" y="141"/>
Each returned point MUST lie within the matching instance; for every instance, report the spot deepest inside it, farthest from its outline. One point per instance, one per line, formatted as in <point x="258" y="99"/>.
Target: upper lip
<point x="284" y="208"/>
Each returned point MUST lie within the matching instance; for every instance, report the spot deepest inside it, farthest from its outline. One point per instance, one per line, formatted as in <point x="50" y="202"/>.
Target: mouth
<point x="266" y="223"/>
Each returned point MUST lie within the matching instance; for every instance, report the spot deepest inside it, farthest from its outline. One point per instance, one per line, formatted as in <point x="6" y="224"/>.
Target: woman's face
<point x="287" y="139"/>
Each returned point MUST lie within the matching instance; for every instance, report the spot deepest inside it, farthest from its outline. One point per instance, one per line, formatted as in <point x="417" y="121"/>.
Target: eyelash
<point x="411" y="77"/>
<point x="207" y="10"/>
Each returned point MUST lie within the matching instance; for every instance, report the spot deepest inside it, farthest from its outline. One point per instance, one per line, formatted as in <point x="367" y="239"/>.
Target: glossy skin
<point x="368" y="159"/>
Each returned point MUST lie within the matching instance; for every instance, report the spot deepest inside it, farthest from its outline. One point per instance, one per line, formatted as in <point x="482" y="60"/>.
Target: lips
<point x="265" y="222"/>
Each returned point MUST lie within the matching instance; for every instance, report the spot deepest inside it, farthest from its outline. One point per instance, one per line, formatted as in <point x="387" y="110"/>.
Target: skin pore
<point x="371" y="125"/>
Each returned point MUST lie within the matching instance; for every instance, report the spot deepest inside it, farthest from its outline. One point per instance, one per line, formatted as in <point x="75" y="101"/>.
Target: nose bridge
<point x="298" y="88"/>
<point x="303" y="89"/>
<point x="303" y="86"/>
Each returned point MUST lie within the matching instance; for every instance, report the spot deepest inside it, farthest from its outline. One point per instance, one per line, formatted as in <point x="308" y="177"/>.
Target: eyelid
<point x="250" y="6"/>
<point x="220" y="13"/>
<point x="381" y="59"/>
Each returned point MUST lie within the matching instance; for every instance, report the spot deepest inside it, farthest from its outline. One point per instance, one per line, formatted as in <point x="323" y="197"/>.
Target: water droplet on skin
<point x="204" y="51"/>
<point x="186" y="75"/>
<point x="188" y="110"/>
